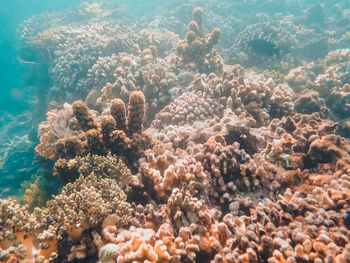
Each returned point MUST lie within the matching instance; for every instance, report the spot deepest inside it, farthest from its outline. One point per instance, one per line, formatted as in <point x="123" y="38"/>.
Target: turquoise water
<point x="12" y="14"/>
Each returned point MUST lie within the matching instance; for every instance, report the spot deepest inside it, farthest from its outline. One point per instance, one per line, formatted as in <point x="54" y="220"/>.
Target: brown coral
<point x="197" y="48"/>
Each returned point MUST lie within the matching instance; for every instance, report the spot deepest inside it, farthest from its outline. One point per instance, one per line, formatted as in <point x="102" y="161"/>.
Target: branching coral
<point x="83" y="204"/>
<point x="226" y="172"/>
<point x="329" y="84"/>
<point x="251" y="94"/>
<point x="197" y="48"/>
<point x="97" y="135"/>
<point x="109" y="166"/>
<point x="118" y="76"/>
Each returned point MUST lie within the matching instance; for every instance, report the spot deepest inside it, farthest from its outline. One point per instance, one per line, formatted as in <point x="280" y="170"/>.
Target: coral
<point x="97" y="135"/>
<point x="329" y="83"/>
<point x="84" y="118"/>
<point x="250" y="94"/>
<point x="163" y="40"/>
<point x="59" y="125"/>
<point x="301" y="77"/>
<point x="125" y="73"/>
<point x="70" y="66"/>
<point x="235" y="166"/>
<point x="83" y="204"/>
<point x="197" y="48"/>
<point x="17" y="225"/>
<point x="117" y="110"/>
<point x="109" y="166"/>
<point x="33" y="195"/>
<point x="309" y="101"/>
<point x="188" y="108"/>
<point x="136" y="113"/>
<point x="137" y="245"/>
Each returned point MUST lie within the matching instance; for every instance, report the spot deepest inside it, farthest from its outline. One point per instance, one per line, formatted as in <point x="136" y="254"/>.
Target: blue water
<point x="12" y="14"/>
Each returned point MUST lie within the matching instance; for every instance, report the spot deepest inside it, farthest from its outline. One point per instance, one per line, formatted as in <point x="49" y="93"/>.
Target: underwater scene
<point x="208" y="131"/>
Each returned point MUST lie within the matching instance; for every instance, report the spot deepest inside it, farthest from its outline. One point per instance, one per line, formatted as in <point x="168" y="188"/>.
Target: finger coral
<point x="96" y="135"/>
<point x="197" y="48"/>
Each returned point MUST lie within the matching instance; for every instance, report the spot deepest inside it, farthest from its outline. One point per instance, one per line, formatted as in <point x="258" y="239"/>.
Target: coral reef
<point x="16" y="232"/>
<point x="247" y="93"/>
<point x="166" y="154"/>
<point x="83" y="204"/>
<point x="109" y="166"/>
<point x="324" y="88"/>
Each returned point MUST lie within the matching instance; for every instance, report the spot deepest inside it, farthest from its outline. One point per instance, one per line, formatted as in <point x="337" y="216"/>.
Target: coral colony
<point x="168" y="154"/>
